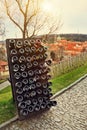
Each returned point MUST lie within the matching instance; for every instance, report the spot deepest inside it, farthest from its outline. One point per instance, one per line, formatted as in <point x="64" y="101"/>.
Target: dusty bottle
<point x="13" y="51"/>
<point x="19" y="90"/>
<point x="30" y="108"/>
<point x="15" y="67"/>
<point x="24" y="74"/>
<point x="37" y="107"/>
<point x="43" y="105"/>
<point x="21" y="59"/>
<point x="21" y="51"/>
<point x="22" y="67"/>
<point x="18" y="84"/>
<point x="19" y="44"/>
<point x="14" y="59"/>
<point x="24" y="112"/>
<point x="17" y="75"/>
<point x="22" y="105"/>
<point x="19" y="98"/>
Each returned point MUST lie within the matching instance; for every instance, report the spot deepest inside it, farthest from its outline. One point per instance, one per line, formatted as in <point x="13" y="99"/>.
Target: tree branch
<point x="7" y="11"/>
<point x="19" y="5"/>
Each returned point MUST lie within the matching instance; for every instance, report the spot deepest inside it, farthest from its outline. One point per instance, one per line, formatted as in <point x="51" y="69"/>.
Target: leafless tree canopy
<point x="2" y="27"/>
<point x="28" y="17"/>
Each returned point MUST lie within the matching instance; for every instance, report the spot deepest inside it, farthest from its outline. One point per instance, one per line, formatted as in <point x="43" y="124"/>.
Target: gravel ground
<point x="69" y="114"/>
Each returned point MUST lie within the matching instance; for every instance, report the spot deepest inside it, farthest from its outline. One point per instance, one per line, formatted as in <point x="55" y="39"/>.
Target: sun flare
<point x="47" y="6"/>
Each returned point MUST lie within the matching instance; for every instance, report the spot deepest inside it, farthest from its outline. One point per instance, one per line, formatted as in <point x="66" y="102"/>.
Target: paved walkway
<point x="4" y="85"/>
<point x="69" y="114"/>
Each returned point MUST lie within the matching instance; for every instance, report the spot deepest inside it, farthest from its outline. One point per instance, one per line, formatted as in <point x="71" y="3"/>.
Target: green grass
<point x="1" y="81"/>
<point x="68" y="78"/>
<point x="7" y="107"/>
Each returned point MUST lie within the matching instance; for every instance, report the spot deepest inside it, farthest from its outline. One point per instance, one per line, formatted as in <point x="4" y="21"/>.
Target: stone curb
<point x="8" y="122"/>
<point x="54" y="96"/>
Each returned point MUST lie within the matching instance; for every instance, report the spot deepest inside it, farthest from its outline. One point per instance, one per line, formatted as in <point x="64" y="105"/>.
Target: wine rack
<point x="29" y="74"/>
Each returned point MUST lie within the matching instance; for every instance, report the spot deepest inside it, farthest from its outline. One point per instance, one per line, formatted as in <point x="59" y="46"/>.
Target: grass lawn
<point x="1" y="81"/>
<point x="7" y="107"/>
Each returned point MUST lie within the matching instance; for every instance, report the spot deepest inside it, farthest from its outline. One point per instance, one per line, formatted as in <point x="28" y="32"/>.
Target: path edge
<point x="54" y="96"/>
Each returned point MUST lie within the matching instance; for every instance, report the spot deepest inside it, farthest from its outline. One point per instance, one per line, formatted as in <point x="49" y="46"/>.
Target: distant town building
<point x="3" y="69"/>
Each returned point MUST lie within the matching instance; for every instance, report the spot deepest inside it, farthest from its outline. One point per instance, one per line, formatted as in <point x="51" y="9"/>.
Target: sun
<point x="47" y="6"/>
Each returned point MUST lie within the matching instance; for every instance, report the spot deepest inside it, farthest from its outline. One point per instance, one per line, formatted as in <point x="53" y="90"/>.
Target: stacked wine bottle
<point x="29" y="73"/>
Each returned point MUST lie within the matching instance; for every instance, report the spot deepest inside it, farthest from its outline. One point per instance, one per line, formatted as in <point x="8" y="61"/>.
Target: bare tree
<point x="27" y="16"/>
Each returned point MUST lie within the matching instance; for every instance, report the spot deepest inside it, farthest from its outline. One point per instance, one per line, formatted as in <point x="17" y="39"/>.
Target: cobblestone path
<point x="69" y="114"/>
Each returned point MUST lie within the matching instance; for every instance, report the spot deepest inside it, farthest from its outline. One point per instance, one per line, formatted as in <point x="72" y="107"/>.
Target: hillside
<point x="74" y="37"/>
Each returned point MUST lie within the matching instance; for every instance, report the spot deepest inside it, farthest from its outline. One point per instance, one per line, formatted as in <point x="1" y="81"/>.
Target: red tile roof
<point x="3" y="63"/>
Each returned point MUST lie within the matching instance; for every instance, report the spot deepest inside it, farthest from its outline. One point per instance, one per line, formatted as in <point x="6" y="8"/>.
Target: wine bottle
<point x="40" y="99"/>
<point x="21" y="50"/>
<point x="30" y="72"/>
<point x="30" y="108"/>
<point x="26" y="88"/>
<point x="44" y="85"/>
<point x="15" y="67"/>
<point x="45" y="49"/>
<point x="27" y="95"/>
<point x="32" y="41"/>
<point x="19" y="44"/>
<point x="17" y="75"/>
<point x="34" y="101"/>
<point x="40" y="56"/>
<point x="49" y="62"/>
<point x="49" y="84"/>
<point x="18" y="84"/>
<point x="32" y="86"/>
<point x="13" y="51"/>
<point x="31" y="80"/>
<point x="37" y="71"/>
<point x="22" y="67"/>
<point x="45" y="55"/>
<point x="35" y="63"/>
<point x="38" y="84"/>
<point x="37" y="107"/>
<point x="12" y="40"/>
<point x="34" y="57"/>
<point x="28" y="102"/>
<point x="27" y="43"/>
<point x="21" y="59"/>
<point x="40" y="49"/>
<point x="33" y="93"/>
<point x="43" y="77"/>
<point x="24" y="74"/>
<point x="48" y="104"/>
<point x="19" y="90"/>
<point x="14" y="59"/>
<point x="22" y="105"/>
<point x="19" y="98"/>
<point x="28" y="50"/>
<point x="38" y="41"/>
<point x="29" y="65"/>
<point x="54" y="103"/>
<point x="43" y="105"/>
<point x="33" y="49"/>
<point x="28" y="59"/>
<point x="39" y="91"/>
<point x="24" y="112"/>
<point x="45" y="92"/>
<point x="48" y="77"/>
<point x="25" y="81"/>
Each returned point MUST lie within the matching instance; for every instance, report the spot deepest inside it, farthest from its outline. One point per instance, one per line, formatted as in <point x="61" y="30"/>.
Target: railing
<point x="69" y="64"/>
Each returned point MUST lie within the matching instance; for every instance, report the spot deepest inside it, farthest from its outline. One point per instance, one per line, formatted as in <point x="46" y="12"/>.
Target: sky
<point x="73" y="15"/>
